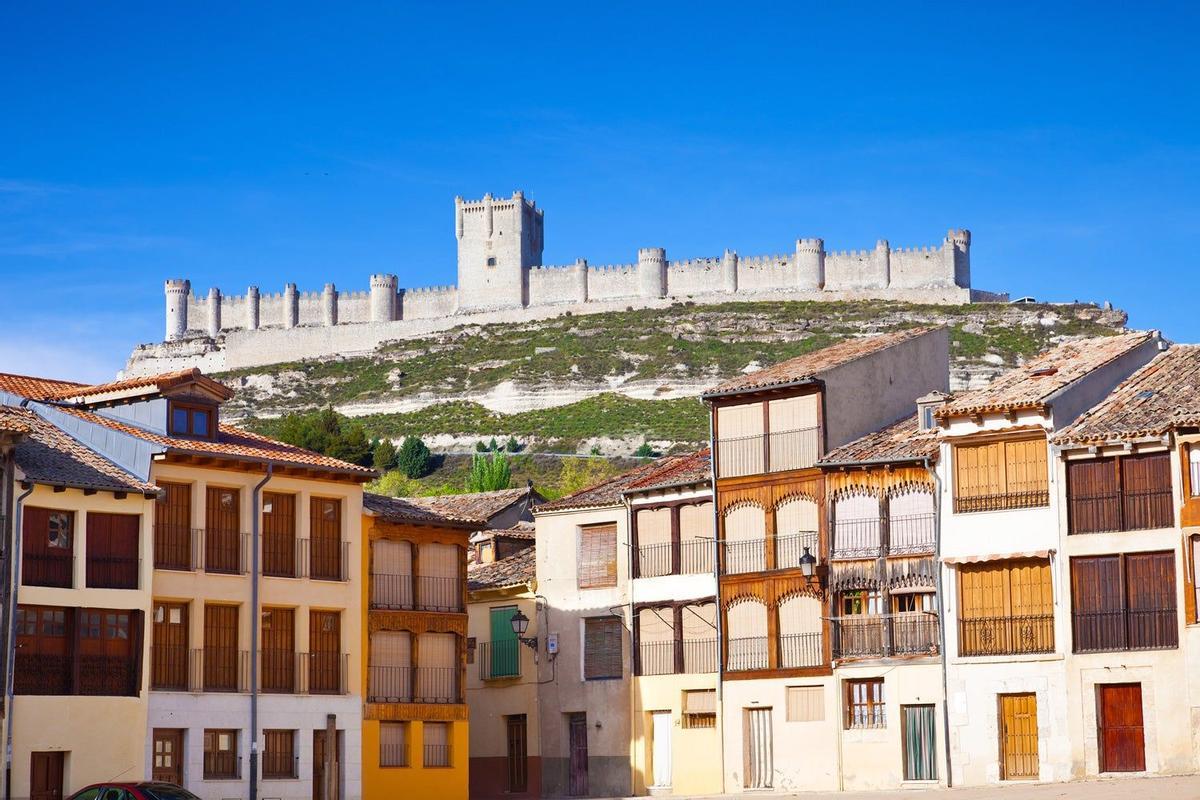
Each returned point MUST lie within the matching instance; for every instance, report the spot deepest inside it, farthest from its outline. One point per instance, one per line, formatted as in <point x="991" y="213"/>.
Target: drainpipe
<point x="255" y="524"/>
<point x="941" y="612"/>
<point x="10" y="655"/>
<point x="712" y="473"/>
<point x="633" y="643"/>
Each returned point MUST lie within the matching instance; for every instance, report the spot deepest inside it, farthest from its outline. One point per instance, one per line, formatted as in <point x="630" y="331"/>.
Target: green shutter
<point x="504" y="657"/>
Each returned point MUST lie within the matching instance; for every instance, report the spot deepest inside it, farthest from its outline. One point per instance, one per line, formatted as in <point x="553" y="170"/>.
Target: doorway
<point x="518" y="764"/>
<point x="168" y="755"/>
<point x="920" y="742"/>
<point x="1018" y="737"/>
<point x="577" y="774"/>
<point x="759" y="751"/>
<point x="1122" y="734"/>
<point x="320" y="748"/>
<point x="660" y="748"/>
<point x="46" y="776"/>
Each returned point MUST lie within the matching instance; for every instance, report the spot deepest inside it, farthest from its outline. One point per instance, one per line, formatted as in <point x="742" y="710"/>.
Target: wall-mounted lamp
<point x="808" y="564"/>
<point x="520" y="624"/>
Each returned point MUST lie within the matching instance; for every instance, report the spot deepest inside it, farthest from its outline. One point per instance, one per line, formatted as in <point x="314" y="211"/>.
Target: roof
<point x="809" y="366"/>
<point x="158" y="383"/>
<point x="1162" y="395"/>
<point x="475" y="505"/>
<point x="515" y="570"/>
<point x="608" y="492"/>
<point x="680" y="470"/>
<point x="35" y="388"/>
<point x="1030" y="386"/>
<point x="903" y="440"/>
<point x="406" y="510"/>
<point x="49" y="456"/>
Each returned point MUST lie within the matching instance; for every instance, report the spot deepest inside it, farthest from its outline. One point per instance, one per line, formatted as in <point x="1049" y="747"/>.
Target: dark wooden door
<point x="518" y="769"/>
<point x="279" y="535"/>
<point x="321" y="747"/>
<point x="1122" y="741"/>
<point x="168" y="755"/>
<point x="112" y="550"/>
<point x="324" y="642"/>
<point x="325" y="530"/>
<point x="48" y="546"/>
<point x="169" y="647"/>
<point x="221" y="648"/>
<point x="1018" y="737"/>
<point x="173" y="527"/>
<point x="278" y="649"/>
<point x="45" y="776"/>
<point x="577" y="776"/>
<point x="222" y="531"/>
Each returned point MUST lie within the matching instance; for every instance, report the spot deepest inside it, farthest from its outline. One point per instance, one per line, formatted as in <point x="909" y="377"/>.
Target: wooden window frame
<point x="604" y="669"/>
<point x="873" y="708"/>
<point x="211" y="754"/>
<point x="1118" y="509"/>
<point x="698" y="720"/>
<point x="1127" y="626"/>
<point x="1006" y="625"/>
<point x="191" y="409"/>
<point x="385" y="762"/>
<point x="597" y="572"/>
<point x="1003" y="498"/>
<point x="273" y="760"/>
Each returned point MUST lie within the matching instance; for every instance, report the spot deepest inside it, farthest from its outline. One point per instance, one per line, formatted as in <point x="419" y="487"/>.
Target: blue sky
<point x="239" y="144"/>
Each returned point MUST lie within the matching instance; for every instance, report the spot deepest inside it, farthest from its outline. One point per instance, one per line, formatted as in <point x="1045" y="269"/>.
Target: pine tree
<point x="414" y="458"/>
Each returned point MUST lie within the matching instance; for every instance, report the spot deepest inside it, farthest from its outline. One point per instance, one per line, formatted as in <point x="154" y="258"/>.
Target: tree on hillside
<point x="512" y="445"/>
<point x="385" y="455"/>
<point x="329" y="433"/>
<point x="489" y="473"/>
<point x="580" y="473"/>
<point x="414" y="458"/>
<point x="645" y="451"/>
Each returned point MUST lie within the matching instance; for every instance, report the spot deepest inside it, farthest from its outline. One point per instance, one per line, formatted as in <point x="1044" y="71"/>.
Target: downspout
<point x="10" y="654"/>
<point x="712" y="470"/>
<point x="941" y="612"/>
<point x="255" y="525"/>
<point x="633" y="644"/>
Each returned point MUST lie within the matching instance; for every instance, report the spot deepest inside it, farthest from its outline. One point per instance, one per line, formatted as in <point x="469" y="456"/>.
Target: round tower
<point x="881" y="264"/>
<point x="177" y="292"/>
<point x="329" y="300"/>
<point x="214" y="312"/>
<point x="252" y="299"/>
<point x="581" y="280"/>
<point x="291" y="306"/>
<point x="652" y="272"/>
<point x="957" y="249"/>
<point x="810" y="264"/>
<point x="383" y="297"/>
<point x="729" y="269"/>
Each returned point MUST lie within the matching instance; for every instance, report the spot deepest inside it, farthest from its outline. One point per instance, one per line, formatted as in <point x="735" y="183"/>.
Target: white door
<point x="760" y="756"/>
<point x="661" y="741"/>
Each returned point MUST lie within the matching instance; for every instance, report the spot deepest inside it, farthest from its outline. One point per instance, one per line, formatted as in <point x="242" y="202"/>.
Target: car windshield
<point x="167" y="793"/>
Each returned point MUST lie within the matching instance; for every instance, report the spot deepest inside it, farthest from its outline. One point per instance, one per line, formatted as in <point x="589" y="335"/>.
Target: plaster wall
<point x="695" y="752"/>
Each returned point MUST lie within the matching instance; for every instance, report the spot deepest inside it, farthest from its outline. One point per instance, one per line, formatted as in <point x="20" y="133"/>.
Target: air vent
<point x="1145" y="394"/>
<point x="1043" y="371"/>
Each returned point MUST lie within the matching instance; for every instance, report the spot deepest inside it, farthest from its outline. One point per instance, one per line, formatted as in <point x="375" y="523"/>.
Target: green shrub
<point x="414" y="458"/>
<point x="489" y="473"/>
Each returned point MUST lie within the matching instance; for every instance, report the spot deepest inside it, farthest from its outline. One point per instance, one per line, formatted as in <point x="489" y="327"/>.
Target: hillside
<point x="612" y="381"/>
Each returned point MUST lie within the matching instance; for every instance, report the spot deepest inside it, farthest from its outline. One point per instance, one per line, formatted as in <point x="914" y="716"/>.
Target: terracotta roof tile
<point x="1032" y="384"/>
<point x="678" y="470"/>
<point x="608" y="492"/>
<point x="161" y="382"/>
<point x="476" y="505"/>
<point x="36" y="388"/>
<point x="403" y="509"/>
<point x="811" y="365"/>
<point x="1162" y="395"/>
<point x="515" y="570"/>
<point x="901" y="441"/>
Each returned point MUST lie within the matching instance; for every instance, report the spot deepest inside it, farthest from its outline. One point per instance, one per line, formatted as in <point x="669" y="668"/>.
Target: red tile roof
<point x="161" y="383"/>
<point x="811" y="365"/>
<point x="608" y="492"/>
<point x="680" y="470"/>
<point x="1161" y="396"/>
<point x="404" y="510"/>
<point x="477" y="505"/>
<point x="1030" y="386"/>
<point x="36" y="388"/>
<point x="515" y="570"/>
<point x="901" y="441"/>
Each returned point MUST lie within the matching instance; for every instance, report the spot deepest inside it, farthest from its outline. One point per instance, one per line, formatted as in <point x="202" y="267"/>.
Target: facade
<point x="415" y="735"/>
<point x="785" y="713"/>
<point x="501" y="278"/>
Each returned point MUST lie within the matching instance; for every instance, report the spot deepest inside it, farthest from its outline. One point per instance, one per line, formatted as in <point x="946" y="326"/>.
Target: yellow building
<point x="414" y="735"/>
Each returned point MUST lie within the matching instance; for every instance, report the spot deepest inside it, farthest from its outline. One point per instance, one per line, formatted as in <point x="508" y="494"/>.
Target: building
<point x="501" y="278"/>
<point x="249" y="600"/>
<point x="1007" y="624"/>
<point x="496" y="510"/>
<point x="415" y="734"/>
<point x="784" y="710"/>
<point x="503" y="678"/>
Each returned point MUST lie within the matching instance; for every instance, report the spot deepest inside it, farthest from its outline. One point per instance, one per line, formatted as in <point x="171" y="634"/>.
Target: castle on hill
<point x="501" y="278"/>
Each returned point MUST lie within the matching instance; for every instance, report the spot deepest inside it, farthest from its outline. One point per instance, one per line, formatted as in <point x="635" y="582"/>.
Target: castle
<point x="501" y="278"/>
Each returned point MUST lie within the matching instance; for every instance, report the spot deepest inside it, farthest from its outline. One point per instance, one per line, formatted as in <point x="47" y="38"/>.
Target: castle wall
<point x="607" y="283"/>
<point x="765" y="274"/>
<point x="921" y="266"/>
<point x="548" y="285"/>
<point x="855" y="269"/>
<point x="697" y="276"/>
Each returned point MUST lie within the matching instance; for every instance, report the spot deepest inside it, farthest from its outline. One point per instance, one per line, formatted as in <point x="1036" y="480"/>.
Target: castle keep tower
<point x="499" y="239"/>
<point x="177" y="291"/>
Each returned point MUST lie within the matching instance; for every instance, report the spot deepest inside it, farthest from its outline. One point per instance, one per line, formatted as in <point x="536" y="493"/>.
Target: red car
<point x="149" y="790"/>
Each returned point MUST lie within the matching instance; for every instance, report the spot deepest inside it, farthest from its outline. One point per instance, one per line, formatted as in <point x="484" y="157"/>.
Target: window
<point x="437" y="744"/>
<point x="80" y="651"/>
<point x="220" y="755"/>
<point x="279" y="754"/>
<point x="993" y="476"/>
<point x="1195" y="545"/>
<point x="913" y="602"/>
<point x="597" y="556"/>
<point x="805" y="703"/>
<point x="491" y="261"/>
<point x="194" y="422"/>
<point x="173" y="548"/>
<point x="1120" y="494"/>
<point x="1123" y="602"/>
<point x="393" y="744"/>
<point x="746" y="634"/>
<point x="326" y="542"/>
<point x="1005" y="608"/>
<point x="1194" y="470"/>
<point x="105" y="650"/>
<point x="700" y="708"/>
<point x="861" y="602"/>
<point x="927" y="417"/>
<point x="43" y="657"/>
<point x="602" y="648"/>
<point x="48" y="548"/>
<point x="112" y="550"/>
<point x="864" y="704"/>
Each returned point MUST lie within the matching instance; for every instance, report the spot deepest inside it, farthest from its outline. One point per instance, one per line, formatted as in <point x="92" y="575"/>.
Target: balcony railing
<point x="222" y="766"/>
<point x="777" y="451"/>
<point x="177" y="669"/>
<point x="113" y="572"/>
<point x="883" y="635"/>
<point x="327" y="559"/>
<point x="694" y="558"/>
<point x="225" y="552"/>
<point x="416" y="592"/>
<point x="1126" y="629"/>
<point x="750" y="555"/>
<point x="499" y="659"/>
<point x="1006" y="636"/>
<point x="221" y="669"/>
<point x="746" y="653"/>
<point x="870" y="537"/>
<point x="801" y="650"/>
<point x="388" y="684"/>
<point x="676" y="657"/>
<point x="436" y="755"/>
<point x="42" y="674"/>
<point x="326" y="673"/>
<point x="910" y="534"/>
<point x="38" y="674"/>
<point x="107" y="675"/>
<point x="1002" y="502"/>
<point x="47" y="569"/>
<point x="169" y="668"/>
<point x="177" y="547"/>
<point x="282" y="557"/>
<point x="1120" y="511"/>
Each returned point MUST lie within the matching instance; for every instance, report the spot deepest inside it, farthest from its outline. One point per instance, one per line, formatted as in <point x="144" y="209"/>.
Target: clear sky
<point x="237" y="144"/>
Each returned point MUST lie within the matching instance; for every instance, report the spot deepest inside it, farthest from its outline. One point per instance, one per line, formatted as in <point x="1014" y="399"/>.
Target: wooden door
<point x="169" y="647"/>
<point x="325" y="530"/>
<point x="577" y="775"/>
<point x="46" y="776"/>
<point x="221" y="648"/>
<point x="168" y="756"/>
<point x="518" y="765"/>
<point x="279" y="535"/>
<point x="660" y="747"/>
<point x="222" y="531"/>
<point x="324" y="643"/>
<point x="759" y="749"/>
<point x="48" y="547"/>
<point x="173" y="527"/>
<point x="1018" y="737"/>
<point x="318" y="765"/>
<point x="1122" y="740"/>
<point x="112" y="550"/>
<point x="278" y="649"/>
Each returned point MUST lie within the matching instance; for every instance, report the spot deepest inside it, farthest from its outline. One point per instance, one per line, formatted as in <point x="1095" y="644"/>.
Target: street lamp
<point x="520" y="624"/>
<point x="808" y="564"/>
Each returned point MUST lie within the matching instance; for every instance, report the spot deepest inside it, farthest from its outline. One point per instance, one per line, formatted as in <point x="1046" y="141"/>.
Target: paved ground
<point x="1119" y="789"/>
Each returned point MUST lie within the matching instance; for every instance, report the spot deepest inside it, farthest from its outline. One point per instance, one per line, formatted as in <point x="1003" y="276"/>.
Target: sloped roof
<point x="811" y="365"/>
<point x="403" y="509"/>
<point x="515" y="570"/>
<point x="903" y="440"/>
<point x="475" y="505"/>
<point x="159" y="383"/>
<point x="36" y="388"/>
<point x="1031" y="385"/>
<point x="1162" y="395"/>
<point x="51" y="457"/>
<point x="607" y="492"/>
<point x="679" y="470"/>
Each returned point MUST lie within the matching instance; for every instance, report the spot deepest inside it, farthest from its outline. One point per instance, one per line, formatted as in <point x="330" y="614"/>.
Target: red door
<point x="1122" y="741"/>
<point x="45" y="776"/>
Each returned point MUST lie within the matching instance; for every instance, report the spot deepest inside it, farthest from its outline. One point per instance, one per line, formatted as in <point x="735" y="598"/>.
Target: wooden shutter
<point x="1096" y="605"/>
<point x="597" y="556"/>
<point x="279" y="535"/>
<point x="278" y="649"/>
<point x="602" y="648"/>
<point x="1025" y="468"/>
<point x="978" y="470"/>
<point x="1146" y="481"/>
<point x="1150" y="589"/>
<point x="325" y="532"/>
<point x="172" y="526"/>
<point x="1093" y="496"/>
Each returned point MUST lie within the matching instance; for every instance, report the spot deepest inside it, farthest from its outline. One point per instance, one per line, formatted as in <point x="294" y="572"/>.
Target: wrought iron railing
<point x="774" y="452"/>
<point x="177" y="547"/>
<point x="1120" y="511"/>
<point x="169" y="668"/>
<point x="416" y="592"/>
<point x="910" y="534"/>
<point x="437" y="755"/>
<point x="1001" y="502"/>
<point x="500" y="659"/>
<point x="1125" y="629"/>
<point x="675" y="657"/>
<point x="225" y="552"/>
<point x="113" y="572"/>
<point x="801" y="650"/>
<point x="750" y="555"/>
<point x="870" y="537"/>
<point x="883" y="635"/>
<point x="107" y="675"/>
<point x="746" y="653"/>
<point x="997" y="636"/>
<point x="327" y="559"/>
<point x="655" y="560"/>
<point x="47" y="569"/>
<point x="221" y="669"/>
<point x="35" y="674"/>
<point x="391" y="684"/>
<point x="282" y="556"/>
